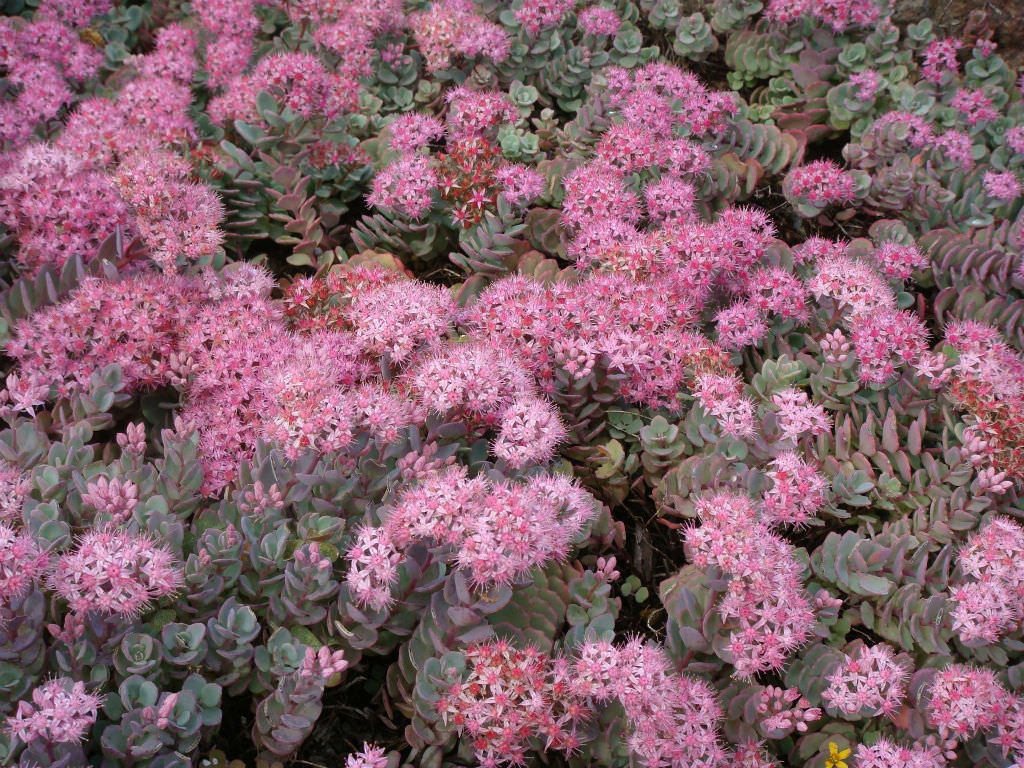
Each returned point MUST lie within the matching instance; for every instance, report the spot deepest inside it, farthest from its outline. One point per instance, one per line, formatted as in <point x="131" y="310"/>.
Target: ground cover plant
<point x="472" y="383"/>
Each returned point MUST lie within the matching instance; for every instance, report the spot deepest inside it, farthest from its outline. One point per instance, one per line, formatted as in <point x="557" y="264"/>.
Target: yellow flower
<point x="836" y="756"/>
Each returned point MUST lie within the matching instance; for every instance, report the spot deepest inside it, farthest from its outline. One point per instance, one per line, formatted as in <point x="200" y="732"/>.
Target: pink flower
<point x="851" y="283"/>
<point x="298" y="81"/>
<point x="176" y="217"/>
<point x="371" y="756"/>
<point x="774" y="290"/>
<point x="815" y="249"/>
<point x="989" y="606"/>
<point x="740" y="325"/>
<point x="898" y="262"/>
<point x="14" y="488"/>
<point x="596" y="192"/>
<point x="322" y="663"/>
<point x="61" y="711"/>
<point x="66" y="343"/>
<point x="406" y="185"/>
<point x="629" y="148"/>
<point x="397" y="319"/>
<point x="1014" y="139"/>
<point x="671" y="201"/>
<point x="373" y="567"/>
<point x="473" y="114"/>
<point x="867" y="83"/>
<point x="1004" y="187"/>
<point x="887" y="754"/>
<point x="984" y="612"/>
<point x="885" y="341"/>
<point x="765" y="604"/>
<point x="599" y="20"/>
<point x="519" y="185"/>
<point x="115" y="572"/>
<point x="536" y="15"/>
<point x="956" y="147"/>
<point x="963" y="700"/>
<point x="499" y="530"/>
<point x="975" y="106"/>
<point x="414" y="130"/>
<point x="821" y="183"/>
<point x="174" y="56"/>
<point x="797" y="491"/>
<point x="450" y="28"/>
<point x="940" y="59"/>
<point x="76" y="13"/>
<point x="868" y="684"/>
<point x="674" y="719"/>
<point x="919" y="132"/>
<point x="506" y="697"/>
<point x="530" y="431"/>
<point x="723" y="398"/>
<point x="56" y="207"/>
<point x="113" y="497"/>
<point x="784" y="711"/>
<point x="797" y="415"/>
<point x="476" y="379"/>
<point x="22" y="561"/>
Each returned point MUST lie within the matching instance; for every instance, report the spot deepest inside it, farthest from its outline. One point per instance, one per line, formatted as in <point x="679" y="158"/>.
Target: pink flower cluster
<point x="44" y="59"/>
<point x="899" y="262"/>
<point x="298" y="81"/>
<point x="784" y="711"/>
<point x="964" y="700"/>
<point x="869" y="683"/>
<point x="867" y="83"/>
<point x="114" y="572"/>
<point x="176" y="217"/>
<point x="838" y="14"/>
<point x="888" y="754"/>
<point x="371" y="756"/>
<point x="797" y="491"/>
<point x="22" y="562"/>
<point x="674" y="718"/>
<point x="884" y="338"/>
<point x="988" y="607"/>
<point x="57" y="207"/>
<point x="509" y="696"/>
<point x="537" y="15"/>
<point x="453" y="28"/>
<point x="498" y="530"/>
<point x="821" y="183"/>
<point x="1003" y="186"/>
<point x="975" y="106"/>
<point x="940" y="59"/>
<point x="723" y="398"/>
<point x="797" y="415"/>
<point x="765" y="605"/>
<point x="61" y="711"/>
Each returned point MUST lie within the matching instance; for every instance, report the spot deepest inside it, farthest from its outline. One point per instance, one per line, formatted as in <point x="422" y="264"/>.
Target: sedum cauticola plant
<point x="444" y="383"/>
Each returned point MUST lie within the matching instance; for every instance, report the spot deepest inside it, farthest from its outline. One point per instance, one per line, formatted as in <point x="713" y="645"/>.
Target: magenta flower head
<point x="530" y="431"/>
<point x="406" y="186"/>
<point x="963" y="700"/>
<point x="370" y="756"/>
<point x="414" y="130"/>
<point x="115" y="572"/>
<point x="888" y="754"/>
<point x="868" y="684"/>
<point x="61" y="711"/>
<point x="22" y="561"/>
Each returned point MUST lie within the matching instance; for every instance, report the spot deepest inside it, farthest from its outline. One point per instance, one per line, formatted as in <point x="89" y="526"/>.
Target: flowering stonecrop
<point x="362" y="356"/>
